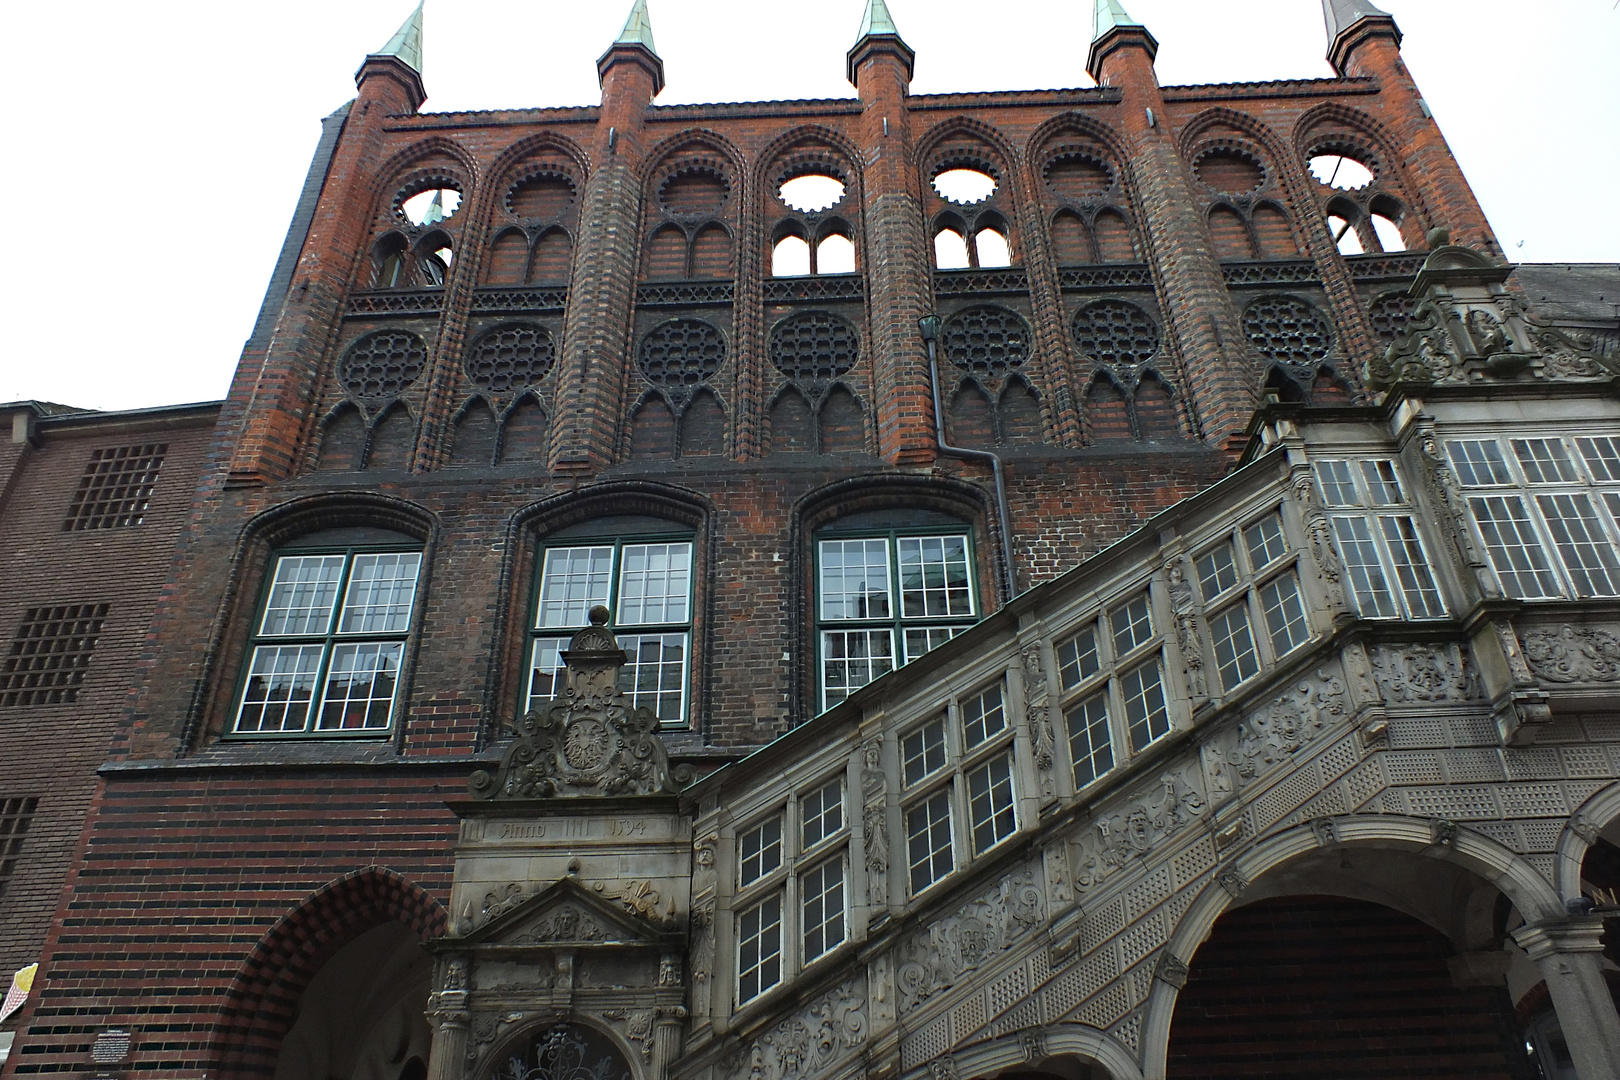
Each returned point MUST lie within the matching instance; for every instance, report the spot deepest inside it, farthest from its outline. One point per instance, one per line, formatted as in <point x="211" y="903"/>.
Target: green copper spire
<point x="1109" y="16"/>
<point x="877" y="20"/>
<point x="406" y="44"/>
<point x="637" y="29"/>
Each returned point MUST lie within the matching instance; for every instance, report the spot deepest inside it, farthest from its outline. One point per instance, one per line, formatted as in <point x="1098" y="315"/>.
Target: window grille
<point x="1549" y="527"/>
<point x="50" y="654"/>
<point x="1287" y="331"/>
<point x="116" y="488"/>
<point x="814" y="347"/>
<point x="986" y="341"/>
<point x="16" y="815"/>
<point x="1384" y="558"/>
<point x="329" y="643"/>
<point x="510" y="358"/>
<point x="646" y="585"/>
<point x="682" y="353"/>
<point x="1116" y="332"/>
<point x="382" y="364"/>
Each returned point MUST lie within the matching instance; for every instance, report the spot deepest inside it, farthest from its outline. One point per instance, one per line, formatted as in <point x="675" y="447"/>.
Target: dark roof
<point x="1572" y="292"/>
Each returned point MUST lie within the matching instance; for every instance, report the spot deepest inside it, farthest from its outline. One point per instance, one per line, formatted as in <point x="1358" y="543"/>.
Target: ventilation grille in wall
<point x="15" y="817"/>
<point x="116" y="487"/>
<point x="50" y="654"/>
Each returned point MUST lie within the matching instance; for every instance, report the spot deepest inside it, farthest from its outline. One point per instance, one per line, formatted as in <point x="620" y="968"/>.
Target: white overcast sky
<point x="157" y="148"/>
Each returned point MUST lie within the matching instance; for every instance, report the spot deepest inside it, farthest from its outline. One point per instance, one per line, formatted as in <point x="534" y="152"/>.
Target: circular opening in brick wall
<point x="1285" y="330"/>
<point x="682" y="352"/>
<point x="811" y="193"/>
<point x="510" y="357"/>
<point x="1116" y="332"/>
<point x="964" y="185"/>
<point x="1231" y="172"/>
<point x="1390" y="315"/>
<point x="1078" y="176"/>
<point x="430" y="205"/>
<point x="987" y="341"/>
<point x="1341" y="172"/>
<point x="696" y="190"/>
<point x="541" y="198"/>
<point x="383" y="363"/>
<point x="814" y="346"/>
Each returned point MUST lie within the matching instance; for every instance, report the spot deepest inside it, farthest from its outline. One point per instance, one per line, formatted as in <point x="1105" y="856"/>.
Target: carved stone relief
<point x="1292" y="719"/>
<point x="1422" y="673"/>
<point x="1573" y="654"/>
<point x="874" y="822"/>
<point x="1185" y="603"/>
<point x="1319" y="532"/>
<point x="808" y="1042"/>
<point x="1039" y="711"/>
<point x="1129" y="833"/>
<point x="957" y="944"/>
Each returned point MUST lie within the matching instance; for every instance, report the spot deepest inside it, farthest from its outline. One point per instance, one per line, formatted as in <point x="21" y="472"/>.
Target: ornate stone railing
<point x="1094" y="278"/>
<point x="521" y="299"/>
<point x="684" y="293"/>
<point x="396" y="302"/>
<point x="1007" y="280"/>
<point x="822" y="287"/>
<point x="1271" y="272"/>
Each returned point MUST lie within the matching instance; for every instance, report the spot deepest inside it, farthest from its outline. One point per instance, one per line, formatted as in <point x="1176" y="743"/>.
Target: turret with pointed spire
<point x="878" y="34"/>
<point x="400" y="59"/>
<point x="1115" y="27"/>
<point x="635" y="44"/>
<point x="1349" y="22"/>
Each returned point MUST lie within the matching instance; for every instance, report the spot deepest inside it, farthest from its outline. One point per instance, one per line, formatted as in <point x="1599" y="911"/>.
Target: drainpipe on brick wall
<point x="929" y="325"/>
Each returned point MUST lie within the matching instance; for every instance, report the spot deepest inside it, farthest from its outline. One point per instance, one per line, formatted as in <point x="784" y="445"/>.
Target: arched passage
<point x="265" y="997"/>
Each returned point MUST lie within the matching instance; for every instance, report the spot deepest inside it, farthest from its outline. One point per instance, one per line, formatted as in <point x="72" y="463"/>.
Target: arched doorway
<point x="362" y="1016"/>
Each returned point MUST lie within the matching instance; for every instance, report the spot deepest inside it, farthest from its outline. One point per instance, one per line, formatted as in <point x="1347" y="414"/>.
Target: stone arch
<point x="1106" y="409"/>
<point x="690" y="141"/>
<point x="1274" y="230"/>
<point x="1154" y="404"/>
<point x="1380" y="144"/>
<point x="508" y="259"/>
<point x="392" y="438"/>
<point x="1494" y="864"/>
<point x="790" y="423"/>
<point x="343" y="439"/>
<point x="1200" y="132"/>
<point x="652" y="428"/>
<point x="841" y="422"/>
<point x="524" y="430"/>
<point x="703" y="425"/>
<point x="1229" y="232"/>
<point x="1071" y="239"/>
<point x="419" y="156"/>
<point x="514" y="157"/>
<point x="262" y="999"/>
<point x="1115" y="236"/>
<point x="1061" y="1040"/>
<point x="1038" y="143"/>
<point x="517" y="1039"/>
<point x="664" y="255"/>
<point x="1595" y="814"/>
<point x="1018" y="413"/>
<point x="936" y="140"/>
<point x="553" y="256"/>
<point x="474" y="432"/>
<point x="970" y="415"/>
<point x="713" y="252"/>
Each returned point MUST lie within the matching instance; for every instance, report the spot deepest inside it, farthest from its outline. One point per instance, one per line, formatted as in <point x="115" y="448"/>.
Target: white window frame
<point x="1090" y="667"/>
<point x="1372" y="510"/>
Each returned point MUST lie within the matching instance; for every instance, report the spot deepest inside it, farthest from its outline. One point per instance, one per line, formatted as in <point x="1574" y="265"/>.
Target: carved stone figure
<point x="1443" y="483"/>
<point x="1489" y="335"/>
<point x="1410" y="673"/>
<point x="959" y="943"/>
<point x="591" y="742"/>
<point x="1573" y="654"/>
<point x="1039" y="713"/>
<point x="1184" y="601"/>
<point x="1126" y="834"/>
<point x="1291" y="720"/>
<point x="874" y="821"/>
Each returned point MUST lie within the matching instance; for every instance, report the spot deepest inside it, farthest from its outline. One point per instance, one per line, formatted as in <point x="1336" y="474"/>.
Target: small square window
<point x="921" y="639"/>
<point x="759" y="851"/>
<point x="854" y="579"/>
<point x="983" y="716"/>
<point x="1146" y="716"/>
<point x="572" y="581"/>
<point x="1285" y="614"/>
<point x="1235" y="657"/>
<point x="922" y="753"/>
<point x="822" y="812"/>
<point x="852" y="658"/>
<point x="381" y="593"/>
<point x="990" y="803"/>
<point x="1217" y="571"/>
<point x="51" y="653"/>
<point x="116" y="488"/>
<point x="1077" y="658"/>
<point x="1091" y="745"/>
<point x="928" y="839"/>
<point x="1265" y="541"/>
<point x="302" y="595"/>
<point x="1133" y="625"/>
<point x="934" y="577"/>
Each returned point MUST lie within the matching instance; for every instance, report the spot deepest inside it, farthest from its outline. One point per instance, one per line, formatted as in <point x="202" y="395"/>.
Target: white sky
<point x="157" y="148"/>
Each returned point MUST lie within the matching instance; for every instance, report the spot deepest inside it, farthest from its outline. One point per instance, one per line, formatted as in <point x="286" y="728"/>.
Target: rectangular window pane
<point x="280" y="684"/>
<point x="360" y="686"/>
<point x="1383" y="486"/>
<point x="1235" y="657"/>
<point x="1411" y="568"/>
<point x="920" y="639"/>
<point x="759" y="948"/>
<point x="546" y="670"/>
<point x="928" y="841"/>
<point x="1587" y="553"/>
<point x="654" y="673"/>
<point x="852" y="658"/>
<point x="822" y="812"/>
<point x="1285" y="614"/>
<point x="1478" y="463"/>
<point x="1133" y="625"/>
<point x="1077" y="658"/>
<point x="759" y="851"/>
<point x="821" y="896"/>
<point x="1338" y="484"/>
<point x="1360" y="554"/>
<point x="922" y="753"/>
<point x="1602" y="456"/>
<point x="990" y="803"/>
<point x="1145" y="714"/>
<point x="1091" y="746"/>
<point x="983" y="716"/>
<point x="382" y="589"/>
<point x="302" y="595"/>
<point x="855" y="579"/>
<point x="934" y="577"/>
<point x="655" y="584"/>
<point x="1544" y="461"/>
<point x="572" y="581"/>
<point x="1511" y="542"/>
<point x="1217" y="571"/>
<point x="1264" y="540"/>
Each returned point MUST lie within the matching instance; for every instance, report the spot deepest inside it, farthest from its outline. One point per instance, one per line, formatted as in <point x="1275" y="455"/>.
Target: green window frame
<point x="865" y="628"/>
<point x="648" y="584"/>
<point x="329" y="637"/>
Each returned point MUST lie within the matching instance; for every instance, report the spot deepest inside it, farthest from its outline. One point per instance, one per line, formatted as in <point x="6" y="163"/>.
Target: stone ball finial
<point x="1439" y="237"/>
<point x="599" y="615"/>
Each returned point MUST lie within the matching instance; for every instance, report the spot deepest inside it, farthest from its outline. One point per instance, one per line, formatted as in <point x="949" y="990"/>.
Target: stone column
<point x="1570" y="956"/>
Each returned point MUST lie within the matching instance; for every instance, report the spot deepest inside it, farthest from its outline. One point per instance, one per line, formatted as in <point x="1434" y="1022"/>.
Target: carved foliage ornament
<point x="957" y="944"/>
<point x="591" y="742"/>
<point x="809" y="1041"/>
<point x="1292" y="719"/>
<point x="1418" y="673"/>
<point x="1573" y="654"/>
<point x="564" y="1052"/>
<point x="1120" y="836"/>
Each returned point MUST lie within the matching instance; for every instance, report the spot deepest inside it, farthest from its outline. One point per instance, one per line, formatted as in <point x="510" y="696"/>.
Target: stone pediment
<point x="591" y="742"/>
<point x="565" y="914"/>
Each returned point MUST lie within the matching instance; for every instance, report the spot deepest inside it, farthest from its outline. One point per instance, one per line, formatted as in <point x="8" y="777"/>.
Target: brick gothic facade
<point x="1273" y="743"/>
